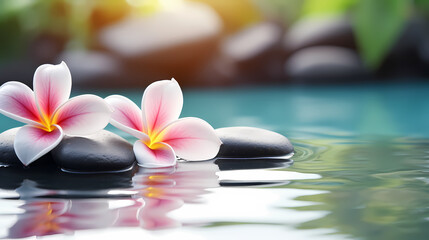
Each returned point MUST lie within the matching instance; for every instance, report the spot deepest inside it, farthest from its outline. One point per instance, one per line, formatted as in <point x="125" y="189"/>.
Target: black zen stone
<point x="100" y="152"/>
<point x="249" y="142"/>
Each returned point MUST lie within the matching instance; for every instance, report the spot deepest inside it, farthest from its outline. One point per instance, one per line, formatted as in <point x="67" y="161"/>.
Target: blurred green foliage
<point x="22" y="20"/>
<point x="11" y="39"/>
<point x="319" y="7"/>
<point x="377" y="26"/>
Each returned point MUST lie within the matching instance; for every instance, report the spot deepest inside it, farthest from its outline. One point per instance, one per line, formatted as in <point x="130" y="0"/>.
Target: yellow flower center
<point x="152" y="192"/>
<point x="154" y="137"/>
<point x="46" y="221"/>
<point x="48" y="122"/>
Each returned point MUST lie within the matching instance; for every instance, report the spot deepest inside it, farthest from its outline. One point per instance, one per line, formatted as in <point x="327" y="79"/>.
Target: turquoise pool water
<point x="360" y="171"/>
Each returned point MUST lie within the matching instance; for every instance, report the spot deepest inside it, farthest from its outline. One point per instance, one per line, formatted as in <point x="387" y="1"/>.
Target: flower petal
<point x="52" y="86"/>
<point x="32" y="142"/>
<point x="159" y="155"/>
<point x="126" y="116"/>
<point x="161" y="103"/>
<point x="84" y="114"/>
<point x="17" y="102"/>
<point x="191" y="139"/>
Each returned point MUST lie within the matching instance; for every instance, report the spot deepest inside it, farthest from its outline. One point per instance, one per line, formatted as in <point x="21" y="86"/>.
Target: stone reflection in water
<point x="154" y="194"/>
<point x="49" y="177"/>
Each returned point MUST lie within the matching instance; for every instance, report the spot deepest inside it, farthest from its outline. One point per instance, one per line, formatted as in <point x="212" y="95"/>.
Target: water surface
<point x="360" y="171"/>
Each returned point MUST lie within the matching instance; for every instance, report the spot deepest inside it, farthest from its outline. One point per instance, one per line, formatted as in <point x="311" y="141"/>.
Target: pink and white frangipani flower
<point x="162" y="135"/>
<point x="48" y="111"/>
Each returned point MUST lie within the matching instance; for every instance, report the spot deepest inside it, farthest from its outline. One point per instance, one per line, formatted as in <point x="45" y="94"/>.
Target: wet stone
<point x="424" y="50"/>
<point x="8" y="156"/>
<point x="94" y="69"/>
<point x="164" y="30"/>
<point x="253" y="42"/>
<point x="256" y="53"/>
<point x="325" y="63"/>
<point x="100" y="152"/>
<point x="320" y="31"/>
<point x="251" y="143"/>
<point x="407" y="56"/>
<point x="171" y="42"/>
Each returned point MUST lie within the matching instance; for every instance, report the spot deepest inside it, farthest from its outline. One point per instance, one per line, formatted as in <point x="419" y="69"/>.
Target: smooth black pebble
<point x="249" y="142"/>
<point x="325" y="63"/>
<point x="8" y="156"/>
<point x="100" y="152"/>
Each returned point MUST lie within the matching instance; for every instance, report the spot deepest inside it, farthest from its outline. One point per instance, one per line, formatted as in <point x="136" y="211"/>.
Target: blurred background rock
<point x="131" y="43"/>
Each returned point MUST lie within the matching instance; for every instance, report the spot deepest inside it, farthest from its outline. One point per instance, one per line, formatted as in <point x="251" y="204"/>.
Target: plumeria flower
<point x="162" y="135"/>
<point x="48" y="111"/>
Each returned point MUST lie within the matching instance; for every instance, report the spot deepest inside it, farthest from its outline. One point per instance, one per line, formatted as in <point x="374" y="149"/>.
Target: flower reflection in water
<point x="47" y="217"/>
<point x="168" y="189"/>
<point x="155" y="193"/>
<point x="40" y="218"/>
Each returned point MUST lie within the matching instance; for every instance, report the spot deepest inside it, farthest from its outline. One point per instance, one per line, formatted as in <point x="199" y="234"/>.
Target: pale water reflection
<point x="187" y="195"/>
